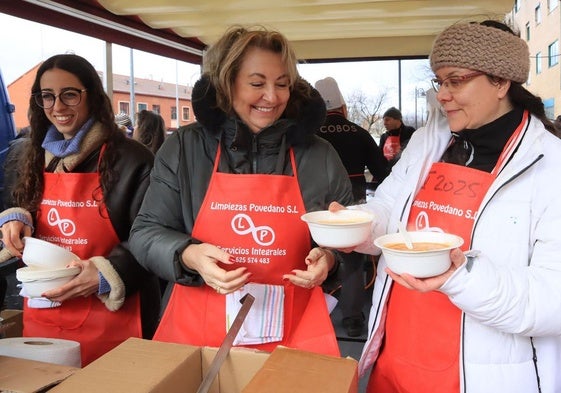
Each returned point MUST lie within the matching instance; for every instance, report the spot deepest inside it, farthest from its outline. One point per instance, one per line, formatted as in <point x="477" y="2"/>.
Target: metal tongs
<point x="247" y="302"/>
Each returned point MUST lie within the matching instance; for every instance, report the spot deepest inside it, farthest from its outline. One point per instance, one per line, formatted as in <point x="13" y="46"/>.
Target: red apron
<point x="422" y="335"/>
<point x="392" y="147"/>
<point x="70" y="217"/>
<point x="256" y="218"/>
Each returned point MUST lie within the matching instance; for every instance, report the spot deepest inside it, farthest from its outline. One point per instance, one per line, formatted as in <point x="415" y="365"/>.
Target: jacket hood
<point x="306" y="114"/>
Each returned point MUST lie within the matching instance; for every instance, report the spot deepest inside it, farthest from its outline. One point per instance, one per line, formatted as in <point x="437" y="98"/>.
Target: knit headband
<point x="482" y="48"/>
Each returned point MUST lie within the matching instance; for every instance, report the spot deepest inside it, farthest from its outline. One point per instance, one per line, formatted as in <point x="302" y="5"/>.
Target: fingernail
<point x="232" y="259"/>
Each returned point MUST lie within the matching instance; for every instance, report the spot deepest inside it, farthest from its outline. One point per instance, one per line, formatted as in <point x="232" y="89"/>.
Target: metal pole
<point x="133" y="105"/>
<point x="177" y="95"/>
<point x="108" y="76"/>
<point x="416" y="125"/>
<point x="399" y="83"/>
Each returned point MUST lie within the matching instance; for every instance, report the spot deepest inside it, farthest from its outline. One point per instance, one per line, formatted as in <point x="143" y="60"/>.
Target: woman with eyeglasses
<point x="78" y="182"/>
<point x="486" y="171"/>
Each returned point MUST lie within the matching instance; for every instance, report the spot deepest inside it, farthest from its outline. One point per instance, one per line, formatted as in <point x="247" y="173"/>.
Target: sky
<point x="25" y="44"/>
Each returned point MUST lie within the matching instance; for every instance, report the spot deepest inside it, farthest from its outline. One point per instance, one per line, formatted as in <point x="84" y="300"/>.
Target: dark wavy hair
<point x="28" y="190"/>
<point x="150" y="130"/>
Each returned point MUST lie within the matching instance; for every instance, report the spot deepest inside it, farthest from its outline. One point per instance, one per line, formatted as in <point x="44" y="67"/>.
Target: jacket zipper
<point x="254" y="150"/>
<point x="534" y="357"/>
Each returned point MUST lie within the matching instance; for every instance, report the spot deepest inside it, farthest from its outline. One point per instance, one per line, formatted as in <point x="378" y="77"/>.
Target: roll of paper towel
<point x="50" y="350"/>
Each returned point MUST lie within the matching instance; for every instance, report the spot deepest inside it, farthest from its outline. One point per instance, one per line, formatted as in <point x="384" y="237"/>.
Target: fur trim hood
<point x="304" y="115"/>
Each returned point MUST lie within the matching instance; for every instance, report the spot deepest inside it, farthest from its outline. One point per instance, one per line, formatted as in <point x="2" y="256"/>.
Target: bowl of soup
<point x="429" y="257"/>
<point x="342" y="229"/>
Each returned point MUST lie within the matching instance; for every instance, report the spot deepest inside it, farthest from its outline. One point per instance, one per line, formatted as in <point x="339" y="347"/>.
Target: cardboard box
<point x="141" y="366"/>
<point x="150" y="366"/>
<point x="29" y="376"/>
<point x="9" y="316"/>
<point x="290" y="370"/>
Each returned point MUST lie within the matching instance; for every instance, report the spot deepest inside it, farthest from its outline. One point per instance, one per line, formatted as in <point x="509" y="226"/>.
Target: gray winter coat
<point x="184" y="165"/>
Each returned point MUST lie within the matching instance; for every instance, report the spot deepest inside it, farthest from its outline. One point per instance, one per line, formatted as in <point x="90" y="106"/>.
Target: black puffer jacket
<point x="184" y="165"/>
<point x="133" y="166"/>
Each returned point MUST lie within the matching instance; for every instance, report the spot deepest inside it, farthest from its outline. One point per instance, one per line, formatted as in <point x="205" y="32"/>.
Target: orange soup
<point x="417" y="246"/>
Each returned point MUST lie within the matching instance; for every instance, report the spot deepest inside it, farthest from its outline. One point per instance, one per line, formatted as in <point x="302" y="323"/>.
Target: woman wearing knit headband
<point x="492" y="322"/>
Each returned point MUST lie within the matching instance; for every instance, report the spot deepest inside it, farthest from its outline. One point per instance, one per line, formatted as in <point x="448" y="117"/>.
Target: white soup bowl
<point x="36" y="281"/>
<point x="40" y="253"/>
<point x="342" y="229"/>
<point x="419" y="262"/>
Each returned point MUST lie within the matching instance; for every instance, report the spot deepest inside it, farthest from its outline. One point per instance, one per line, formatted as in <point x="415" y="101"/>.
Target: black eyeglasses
<point x="455" y="82"/>
<point x="70" y="96"/>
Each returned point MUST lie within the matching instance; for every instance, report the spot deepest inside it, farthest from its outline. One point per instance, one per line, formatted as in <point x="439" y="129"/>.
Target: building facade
<point x="160" y="97"/>
<point x="539" y="23"/>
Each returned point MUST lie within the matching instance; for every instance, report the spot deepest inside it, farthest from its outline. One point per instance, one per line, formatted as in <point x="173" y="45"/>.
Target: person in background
<point x="24" y="132"/>
<point x="150" y="130"/>
<point x="557" y="125"/>
<point x="396" y="137"/>
<point x="358" y="151"/>
<point x="221" y="216"/>
<point x="486" y="172"/>
<point x="124" y="122"/>
<point x="78" y="182"/>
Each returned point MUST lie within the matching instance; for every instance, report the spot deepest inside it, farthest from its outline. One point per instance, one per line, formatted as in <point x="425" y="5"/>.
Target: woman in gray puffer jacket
<point x="226" y="195"/>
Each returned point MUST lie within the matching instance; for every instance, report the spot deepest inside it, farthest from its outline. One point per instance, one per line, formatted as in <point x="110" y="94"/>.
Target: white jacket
<point x="510" y="296"/>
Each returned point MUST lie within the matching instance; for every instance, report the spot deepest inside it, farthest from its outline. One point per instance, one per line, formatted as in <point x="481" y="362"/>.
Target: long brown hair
<point x="28" y="190"/>
<point x="150" y="130"/>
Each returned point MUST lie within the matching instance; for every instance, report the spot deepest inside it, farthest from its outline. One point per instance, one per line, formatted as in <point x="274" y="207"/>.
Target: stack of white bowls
<point x="46" y="267"/>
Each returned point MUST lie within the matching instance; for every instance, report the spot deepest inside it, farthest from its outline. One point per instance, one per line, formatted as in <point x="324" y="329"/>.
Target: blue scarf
<point x="55" y="143"/>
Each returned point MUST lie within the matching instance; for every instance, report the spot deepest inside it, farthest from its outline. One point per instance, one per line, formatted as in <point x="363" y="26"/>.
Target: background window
<point x="538" y="15"/>
<point x="173" y="113"/>
<point x="528" y="31"/>
<point x="538" y="63"/>
<point x="142" y="106"/>
<point x="186" y="113"/>
<point x="124" y="107"/>
<point x="553" y="53"/>
<point x="156" y="109"/>
<point x="551" y="5"/>
<point x="549" y="106"/>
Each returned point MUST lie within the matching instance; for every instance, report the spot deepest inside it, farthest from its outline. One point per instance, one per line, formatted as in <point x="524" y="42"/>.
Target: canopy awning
<point x="319" y="29"/>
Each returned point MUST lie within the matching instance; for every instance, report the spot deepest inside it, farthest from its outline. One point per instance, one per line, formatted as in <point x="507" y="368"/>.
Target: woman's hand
<point x="86" y="283"/>
<point x="319" y="262"/>
<point x="430" y="283"/>
<point x="204" y="259"/>
<point x="12" y="236"/>
<point x="335" y="207"/>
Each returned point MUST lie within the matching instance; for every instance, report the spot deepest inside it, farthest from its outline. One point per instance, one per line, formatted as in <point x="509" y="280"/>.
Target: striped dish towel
<point x="265" y="321"/>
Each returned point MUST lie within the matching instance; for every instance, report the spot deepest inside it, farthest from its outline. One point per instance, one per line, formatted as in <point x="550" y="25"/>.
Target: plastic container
<point x="40" y="253"/>
<point x="419" y="264"/>
<point x="37" y="281"/>
<point x="343" y="229"/>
